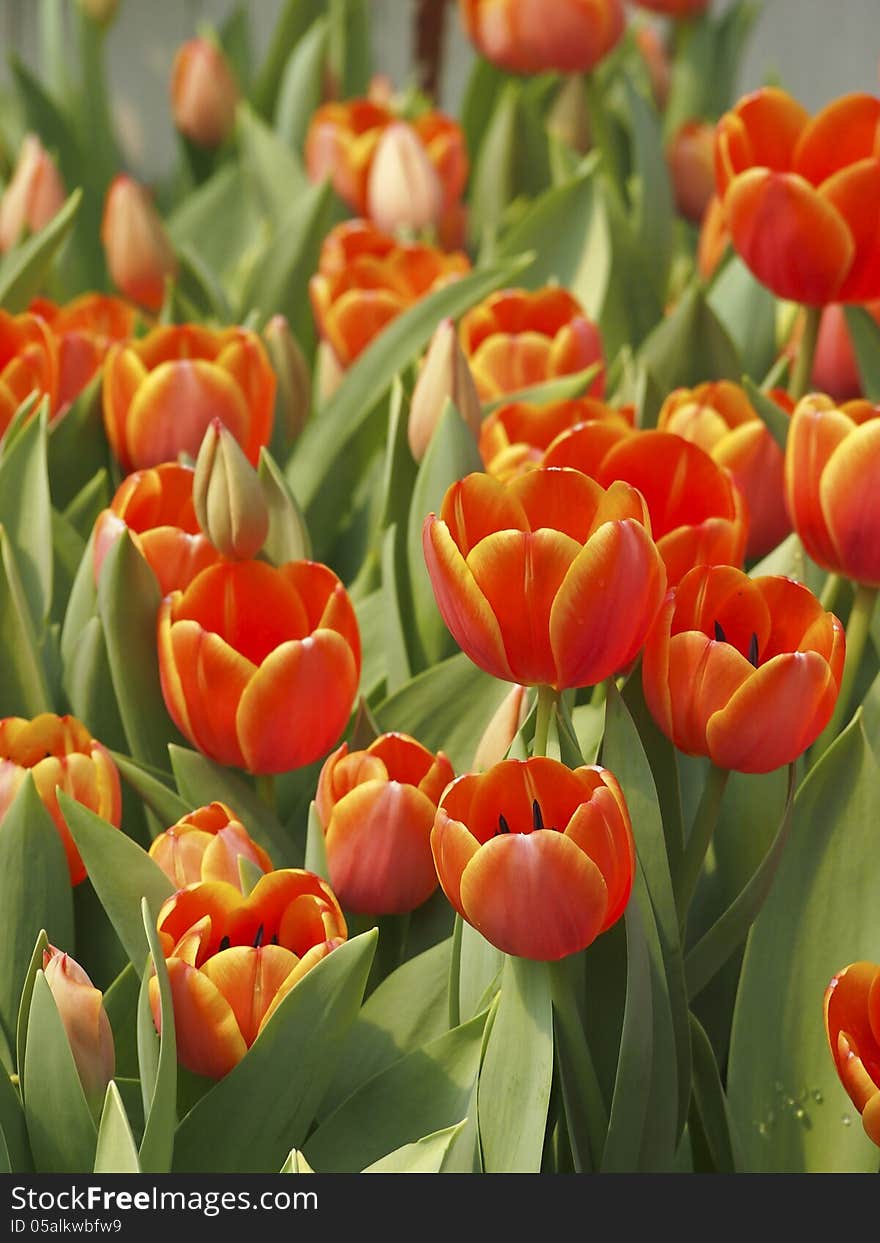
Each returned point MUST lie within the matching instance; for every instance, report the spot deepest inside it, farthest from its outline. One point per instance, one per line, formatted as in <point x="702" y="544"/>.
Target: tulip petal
<point x="585" y="446"/>
<point x="452" y="846"/>
<point x="173" y="406"/>
<point x="703" y="675"/>
<point x="843" y="133"/>
<point x="123" y="375"/>
<point x="850" y="501"/>
<point x="479" y="505"/>
<point x="853" y="192"/>
<point x="847" y="1014"/>
<point x="602" y="830"/>
<point x="212" y="677"/>
<point x="560" y="500"/>
<point x="248" y="978"/>
<point x="506" y="363"/>
<point x="816" y="431"/>
<point x="208" y="1038"/>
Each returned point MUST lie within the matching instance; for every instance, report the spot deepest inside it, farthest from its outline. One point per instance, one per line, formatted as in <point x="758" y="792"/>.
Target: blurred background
<point x="816" y="48"/>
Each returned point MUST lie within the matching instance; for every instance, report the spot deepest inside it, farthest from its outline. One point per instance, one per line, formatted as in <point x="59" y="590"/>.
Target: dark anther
<point x="275" y="939"/>
<point x="258" y="939"/>
<point x="503" y="826"/>
<point x="753" y="649"/>
<point x="224" y="943"/>
<point x="537" y="818"/>
<point x="720" y="636"/>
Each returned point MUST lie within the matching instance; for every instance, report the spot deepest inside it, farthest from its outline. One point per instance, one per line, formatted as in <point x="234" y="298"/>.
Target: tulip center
<point x="259" y="937"/>
<point x="537" y="821"/>
<point x="752" y="654"/>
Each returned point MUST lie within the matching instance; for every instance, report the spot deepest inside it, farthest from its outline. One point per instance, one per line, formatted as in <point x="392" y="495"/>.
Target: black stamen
<point x="720" y="636"/>
<point x="224" y="943"/>
<point x="503" y="826"/>
<point x="537" y="818"/>
<point x="275" y="939"/>
<point x="753" y="649"/>
<point x="258" y="939"/>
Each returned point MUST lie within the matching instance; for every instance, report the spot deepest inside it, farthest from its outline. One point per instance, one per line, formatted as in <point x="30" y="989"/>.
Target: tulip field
<point x="439" y="555"/>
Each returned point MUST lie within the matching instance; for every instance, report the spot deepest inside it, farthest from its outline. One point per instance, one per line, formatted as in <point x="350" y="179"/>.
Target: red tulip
<point x="690" y="160"/>
<point x="28" y="363"/>
<point x="530" y="36"/>
<point x="515" y="437"/>
<point x="84" y="329"/>
<point x="204" y="93"/>
<point x="852" y="1025"/>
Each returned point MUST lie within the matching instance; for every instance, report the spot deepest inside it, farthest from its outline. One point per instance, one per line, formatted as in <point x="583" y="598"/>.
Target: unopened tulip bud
<point x="101" y="12"/>
<point x="227" y="496"/>
<point x="81" y="1009"/>
<point x="445" y="376"/>
<point x="328" y="372"/>
<point x="690" y="160"/>
<point x="34" y="194"/>
<point x="506" y="723"/>
<point x="404" y="190"/>
<point x="294" y="392"/>
<point x="569" y="118"/>
<point x="139" y="253"/>
<point x="204" y="93"/>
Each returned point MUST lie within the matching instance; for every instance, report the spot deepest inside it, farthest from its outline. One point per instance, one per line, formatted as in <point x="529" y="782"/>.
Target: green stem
<point x="547" y="697"/>
<point x="831" y="592"/>
<point x="858" y="628"/>
<point x="803" y="367"/>
<point x="265" y="783"/>
<point x="699" y="840"/>
<point x="586" y="1115"/>
<point x="601" y="134"/>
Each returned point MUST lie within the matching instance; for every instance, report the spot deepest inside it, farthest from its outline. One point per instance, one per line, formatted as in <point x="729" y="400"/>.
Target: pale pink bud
<point x="506" y="723"/>
<point x="204" y="93"/>
<point x="139" y="253"/>
<point x="404" y="190"/>
<point x="81" y="1008"/>
<point x="445" y="376"/>
<point x="34" y="194"/>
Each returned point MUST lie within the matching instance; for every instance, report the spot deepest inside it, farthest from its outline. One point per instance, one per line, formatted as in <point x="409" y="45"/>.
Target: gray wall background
<point x="817" y="48"/>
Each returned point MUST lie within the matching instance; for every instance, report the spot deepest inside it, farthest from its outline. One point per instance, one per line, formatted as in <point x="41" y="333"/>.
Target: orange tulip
<point x="81" y="1009"/>
<point x="745" y="671"/>
<point x="547" y="578"/>
<point x="538" y="857"/>
<point x="28" y="363"/>
<point x="515" y="437"/>
<point x="60" y="754"/>
<point x="831" y="461"/>
<point x="162" y="391"/>
<point x="689" y="157"/>
<point x="697" y="513"/>
<point x="530" y="36"/>
<point x="365" y="279"/>
<point x="377" y="808"/>
<point x="720" y="419"/>
<point x="155" y="506"/>
<point x="84" y="329"/>
<point x="138" y="250"/>
<point x="206" y="844"/>
<point x="852" y="1025"/>
<point x="232" y="960"/>
<point x="679" y="9"/>
<point x="515" y="339"/>
<point x="799" y="194"/>
<point x="260" y="666"/>
<point x="204" y="93"/>
<point x="835" y="367"/>
<point x="34" y="195"/>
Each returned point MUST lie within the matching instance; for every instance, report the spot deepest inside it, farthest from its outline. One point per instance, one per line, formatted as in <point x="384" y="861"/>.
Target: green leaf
<point x="288" y="538"/>
<point x="197" y="283"/>
<point x="789" y="1109"/>
<point x="157" y="1057"/>
<point x="349" y="53"/>
<point x="478" y="966"/>
<point x="865" y="333"/>
<point x="775" y="419"/>
<point x="562" y="388"/>
<point x="493" y="179"/>
<point x="77" y="448"/>
<point x="747" y="309"/>
<point x="116" y="1152"/>
<point x="87" y="684"/>
<point x="513" y="1098"/>
<point x="151" y="787"/>
<point x="26" y="511"/>
<point x="121" y="872"/>
<point x="293" y="21"/>
<point x="425" y="1156"/>
<point x="235" y="39"/>
<point x="690" y="345"/>
<point x="316" y="846"/>
<point x="218" y="221"/>
<point x="60" y="1124"/>
<point x="479" y="102"/>
<point x="711" y="1103"/>
<point x="275" y="1089"/>
<point x="24" y="269"/>
<point x="428" y="1089"/>
<point x="397" y="668"/>
<point x="301" y="88"/>
<point x="269" y="165"/>
<point x="296" y="1164"/>
<point x="653" y="216"/>
<point x="121" y="1002"/>
<point x="12" y="1126"/>
<point x="35" y="894"/>
<point x="24" y="1005"/>
<point x="25" y="686"/>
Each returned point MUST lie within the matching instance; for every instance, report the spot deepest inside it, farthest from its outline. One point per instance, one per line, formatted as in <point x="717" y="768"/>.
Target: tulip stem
<point x="803" y="367"/>
<point x="699" y="839"/>
<point x="586" y="1114"/>
<point x="547" y="698"/>
<point x="265" y="783"/>
<point x="858" y="629"/>
<point x="831" y="592"/>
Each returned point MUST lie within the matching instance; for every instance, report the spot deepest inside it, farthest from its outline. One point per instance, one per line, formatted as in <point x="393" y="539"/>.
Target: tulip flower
<point x="796" y="197"/>
<point x="689" y="157"/>
<point x="365" y="279"/>
<point x="34" y="195"/>
<point x="138" y="251"/>
<point x="294" y="384"/>
<point x="720" y="419"/>
<point x="516" y="436"/>
<point x="404" y="191"/>
<point x="515" y="339"/>
<point x="377" y="809"/>
<point x="530" y="36"/>
<point x="681" y="10"/>
<point x="60" y="754"/>
<point x="228" y="497"/>
<point x="539" y="858"/>
<point x="206" y="844"/>
<point x="162" y="391"/>
<point x="84" y="329"/>
<point x="204" y="93"/>
<point x="445" y="376"/>
<point x="697" y="513"/>
<point x="155" y="506"/>
<point x="233" y="959"/>
<point x="744" y="671"/>
<point x="852" y="1025"/>
<point x="81" y="1010"/>
<point x="28" y="363"/>
<point x="547" y="579"/>
<point x="260" y="665"/>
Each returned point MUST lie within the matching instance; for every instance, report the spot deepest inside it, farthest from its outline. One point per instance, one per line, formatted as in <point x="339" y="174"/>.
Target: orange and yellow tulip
<point x="162" y="391"/>
<point x="548" y="578"/>
<point x="377" y="808"/>
<point x="206" y="844"/>
<point x="516" y="338"/>
<point x="81" y="1009"/>
<point x="698" y="514"/>
<point x="365" y="279"/>
<point x="516" y="436"/>
<point x="233" y="959"/>
<point x="60" y="754"/>
<point x="34" y="195"/>
<point x="204" y="93"/>
<point x="84" y="329"/>
<point x="831" y="461"/>
<point x="798" y="200"/>
<point x="744" y="671"/>
<point x="539" y="858"/>
<point x="530" y="36"/>
<point x="155" y="506"/>
<point x="260" y="665"/>
<point x="139" y="253"/>
<point x="852" y="1025"/>
<point x="28" y="363"/>
<point x="720" y="419"/>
